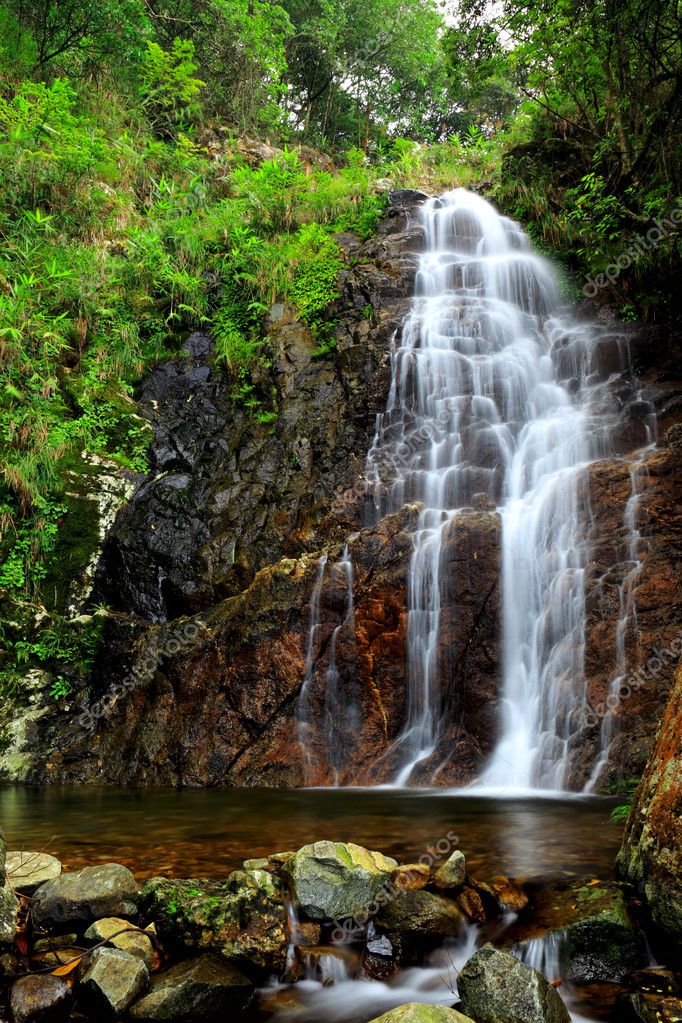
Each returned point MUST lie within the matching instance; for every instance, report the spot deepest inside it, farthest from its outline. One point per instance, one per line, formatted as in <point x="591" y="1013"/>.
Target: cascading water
<point x="496" y="395"/>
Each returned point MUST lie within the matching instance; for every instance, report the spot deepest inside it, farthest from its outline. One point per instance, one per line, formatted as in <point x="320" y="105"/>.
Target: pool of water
<point x="207" y="833"/>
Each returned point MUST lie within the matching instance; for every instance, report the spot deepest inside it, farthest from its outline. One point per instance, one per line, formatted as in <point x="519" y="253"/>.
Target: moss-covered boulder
<point x="495" y="987"/>
<point x="419" y="912"/>
<point x="415" y="1012"/>
<point x="243" y="918"/>
<point x="334" y="881"/>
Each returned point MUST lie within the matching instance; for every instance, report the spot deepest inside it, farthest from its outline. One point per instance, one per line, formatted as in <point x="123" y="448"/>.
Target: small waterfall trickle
<point x="498" y="398"/>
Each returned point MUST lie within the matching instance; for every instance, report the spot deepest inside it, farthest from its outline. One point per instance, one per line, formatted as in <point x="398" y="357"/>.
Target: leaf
<point x="63" y="971"/>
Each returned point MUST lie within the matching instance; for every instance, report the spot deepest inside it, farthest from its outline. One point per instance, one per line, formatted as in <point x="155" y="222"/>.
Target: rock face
<point x="211" y="674"/>
<point x="494" y="987"/>
<point x="83" y="896"/>
<point x="651" y="854"/>
<point x="333" y="881"/>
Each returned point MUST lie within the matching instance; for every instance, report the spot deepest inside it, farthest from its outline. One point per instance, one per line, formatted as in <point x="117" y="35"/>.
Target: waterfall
<point x="497" y="394"/>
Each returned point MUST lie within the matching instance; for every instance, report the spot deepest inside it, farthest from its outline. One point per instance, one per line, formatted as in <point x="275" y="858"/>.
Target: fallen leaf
<point x="63" y="971"/>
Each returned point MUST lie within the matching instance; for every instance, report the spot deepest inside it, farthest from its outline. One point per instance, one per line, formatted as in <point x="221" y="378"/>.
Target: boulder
<point x="451" y="874"/>
<point x="121" y="934"/>
<point x="27" y="870"/>
<point x="78" y="898"/>
<point x="9" y="904"/>
<point x="40" y="999"/>
<point x="495" y="987"/>
<point x="415" y="1012"/>
<point x="420" y="913"/>
<point x="243" y="918"/>
<point x="197" y="991"/>
<point x="602" y="944"/>
<point x="333" y="881"/>
<point x="110" y="980"/>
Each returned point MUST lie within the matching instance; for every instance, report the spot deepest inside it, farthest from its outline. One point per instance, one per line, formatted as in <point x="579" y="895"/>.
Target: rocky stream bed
<point x="277" y="938"/>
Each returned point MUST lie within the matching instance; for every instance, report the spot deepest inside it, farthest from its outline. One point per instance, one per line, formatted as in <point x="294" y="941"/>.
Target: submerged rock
<point x="40" y="999"/>
<point x="202" y="989"/>
<point x="651" y="1008"/>
<point x="27" y="870"/>
<point x="83" y="896"/>
<point x="110" y="980"/>
<point x="495" y="987"/>
<point x="333" y="880"/>
<point x="243" y="918"/>
<point x="415" y="1012"/>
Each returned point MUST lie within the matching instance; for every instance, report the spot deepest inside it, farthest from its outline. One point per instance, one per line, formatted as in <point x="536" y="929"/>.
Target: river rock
<point x="85" y="895"/>
<point x="333" y="881"/>
<point x="243" y="918"/>
<point x="419" y="913"/>
<point x="110" y="980"/>
<point x="411" y="875"/>
<point x="451" y="874"/>
<point x="9" y="904"/>
<point x="202" y="989"/>
<point x="651" y="854"/>
<point x="603" y="944"/>
<point x="415" y="1012"/>
<point x="27" y="870"/>
<point x="509" y="895"/>
<point x="40" y="999"/>
<point x="120" y="934"/>
<point x="495" y="987"/>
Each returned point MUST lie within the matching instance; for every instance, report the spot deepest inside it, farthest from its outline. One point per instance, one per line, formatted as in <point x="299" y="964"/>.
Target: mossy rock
<point x="336" y="881"/>
<point x="415" y="1012"/>
<point x="243" y="918"/>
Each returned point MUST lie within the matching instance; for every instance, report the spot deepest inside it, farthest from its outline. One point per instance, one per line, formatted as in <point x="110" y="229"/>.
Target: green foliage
<point x="169" y="89"/>
<point x="624" y="787"/>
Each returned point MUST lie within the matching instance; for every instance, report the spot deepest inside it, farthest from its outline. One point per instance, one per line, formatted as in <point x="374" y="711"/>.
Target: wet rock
<point x="451" y="874"/>
<point x="411" y="875"/>
<point x="27" y="870"/>
<point x="471" y="904"/>
<point x="243" y="918"/>
<point x="110" y="980"/>
<point x="651" y="854"/>
<point x="509" y="895"/>
<point x="9" y="904"/>
<point x="118" y="932"/>
<point x="414" y="1012"/>
<point x="495" y="987"/>
<point x="655" y="980"/>
<point x="55" y="941"/>
<point x="202" y="989"/>
<point x="647" y="1008"/>
<point x="332" y="881"/>
<point x="56" y="956"/>
<point x="85" y="895"/>
<point x="419" y="913"/>
<point x="40" y="999"/>
<point x="604" y="944"/>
